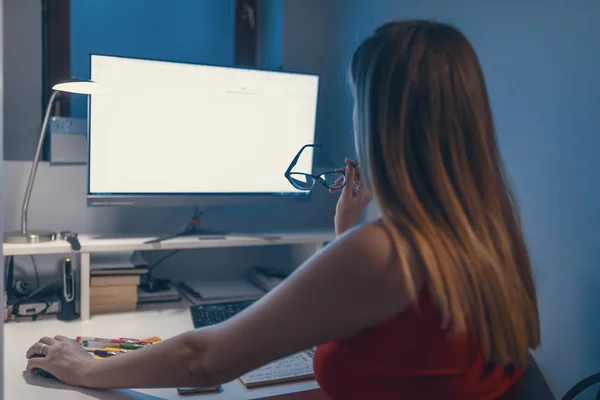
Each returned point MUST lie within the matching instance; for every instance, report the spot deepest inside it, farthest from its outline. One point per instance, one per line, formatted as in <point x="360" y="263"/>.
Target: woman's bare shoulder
<point x="375" y="244"/>
<point x="387" y="251"/>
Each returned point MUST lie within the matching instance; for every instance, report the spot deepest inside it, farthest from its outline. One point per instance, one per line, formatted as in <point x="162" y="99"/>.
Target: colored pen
<point x="112" y="349"/>
<point x="152" y="340"/>
<point x="103" y="345"/>
<point x="131" y="346"/>
<point x="129" y="340"/>
<point x="103" y="353"/>
<point x="104" y="340"/>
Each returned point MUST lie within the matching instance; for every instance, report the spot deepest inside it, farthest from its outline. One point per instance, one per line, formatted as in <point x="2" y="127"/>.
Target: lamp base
<point x="30" y="237"/>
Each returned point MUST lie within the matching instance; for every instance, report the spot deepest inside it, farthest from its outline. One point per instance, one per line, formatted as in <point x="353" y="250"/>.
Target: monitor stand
<point x="192" y="228"/>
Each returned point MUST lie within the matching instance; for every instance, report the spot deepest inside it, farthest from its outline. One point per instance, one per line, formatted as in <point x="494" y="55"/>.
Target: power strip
<point x="35" y="307"/>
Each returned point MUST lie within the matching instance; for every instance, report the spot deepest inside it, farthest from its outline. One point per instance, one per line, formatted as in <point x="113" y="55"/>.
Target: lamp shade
<point x="79" y="86"/>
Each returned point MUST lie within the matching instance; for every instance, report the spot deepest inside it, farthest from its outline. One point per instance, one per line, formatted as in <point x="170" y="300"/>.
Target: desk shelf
<point x="307" y="244"/>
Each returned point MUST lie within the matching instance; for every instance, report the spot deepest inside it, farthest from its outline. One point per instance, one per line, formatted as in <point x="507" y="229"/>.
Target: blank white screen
<point x="161" y="127"/>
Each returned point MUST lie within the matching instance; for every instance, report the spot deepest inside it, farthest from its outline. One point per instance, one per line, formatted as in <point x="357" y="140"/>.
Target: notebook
<point x="297" y="367"/>
<point x="157" y="296"/>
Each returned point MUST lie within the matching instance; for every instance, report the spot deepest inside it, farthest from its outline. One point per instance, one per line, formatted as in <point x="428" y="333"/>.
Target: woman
<point x="433" y="301"/>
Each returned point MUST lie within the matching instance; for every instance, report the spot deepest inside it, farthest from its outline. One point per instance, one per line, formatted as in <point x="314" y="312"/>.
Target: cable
<point x="47" y="302"/>
<point x="161" y="260"/>
<point x="41" y="289"/>
<point x="7" y="274"/>
<point x="36" y="271"/>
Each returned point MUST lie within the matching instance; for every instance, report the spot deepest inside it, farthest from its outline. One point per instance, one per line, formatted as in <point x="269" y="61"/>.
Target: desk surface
<point x="148" y="321"/>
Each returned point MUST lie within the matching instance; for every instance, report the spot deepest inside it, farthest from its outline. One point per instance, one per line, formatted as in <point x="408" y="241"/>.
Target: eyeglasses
<point x="302" y="181"/>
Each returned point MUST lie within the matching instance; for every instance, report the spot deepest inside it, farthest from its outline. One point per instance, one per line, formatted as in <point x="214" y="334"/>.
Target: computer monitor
<point x="171" y="133"/>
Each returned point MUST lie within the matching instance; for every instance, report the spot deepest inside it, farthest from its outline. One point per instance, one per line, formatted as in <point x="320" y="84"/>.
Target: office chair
<point x="531" y="386"/>
<point x="588" y="388"/>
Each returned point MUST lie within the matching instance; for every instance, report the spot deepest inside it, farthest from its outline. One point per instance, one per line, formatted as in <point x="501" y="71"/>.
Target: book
<point x="119" y="271"/>
<point x="113" y="294"/>
<point x="107" y="298"/>
<point x="113" y="307"/>
<point x="297" y="367"/>
<point x="111" y="281"/>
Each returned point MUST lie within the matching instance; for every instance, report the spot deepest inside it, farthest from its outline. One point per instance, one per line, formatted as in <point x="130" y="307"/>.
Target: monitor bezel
<point x="126" y="199"/>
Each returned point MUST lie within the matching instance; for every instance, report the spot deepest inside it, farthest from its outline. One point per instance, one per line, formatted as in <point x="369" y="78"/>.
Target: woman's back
<point x="410" y="357"/>
<point x="426" y="140"/>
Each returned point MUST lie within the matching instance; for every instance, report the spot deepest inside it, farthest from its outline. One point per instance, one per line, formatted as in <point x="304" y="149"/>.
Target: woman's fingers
<point x="38" y="349"/>
<point x="359" y="174"/>
<point x="348" y="189"/>
<point x="336" y="185"/>
<point x="41" y="347"/>
<point x="348" y="161"/>
<point x="353" y="176"/>
<point x="44" y="345"/>
<point x="48" y="340"/>
<point x="35" y="363"/>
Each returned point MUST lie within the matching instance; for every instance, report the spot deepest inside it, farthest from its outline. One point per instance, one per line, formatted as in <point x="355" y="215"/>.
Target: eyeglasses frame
<point x="288" y="172"/>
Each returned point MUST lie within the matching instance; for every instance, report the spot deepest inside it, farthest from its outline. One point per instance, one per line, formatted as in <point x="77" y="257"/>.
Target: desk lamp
<point x="25" y="235"/>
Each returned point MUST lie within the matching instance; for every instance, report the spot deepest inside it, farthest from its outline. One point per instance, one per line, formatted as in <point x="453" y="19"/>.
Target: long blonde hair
<point x="425" y="135"/>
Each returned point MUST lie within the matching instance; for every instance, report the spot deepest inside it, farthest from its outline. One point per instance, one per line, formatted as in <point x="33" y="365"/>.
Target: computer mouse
<point x="42" y="372"/>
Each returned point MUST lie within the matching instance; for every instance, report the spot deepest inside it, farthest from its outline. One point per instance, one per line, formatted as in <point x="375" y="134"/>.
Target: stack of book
<point x="114" y="281"/>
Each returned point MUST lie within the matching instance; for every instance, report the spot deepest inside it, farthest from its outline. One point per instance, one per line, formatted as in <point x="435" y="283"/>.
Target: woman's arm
<point x="352" y="285"/>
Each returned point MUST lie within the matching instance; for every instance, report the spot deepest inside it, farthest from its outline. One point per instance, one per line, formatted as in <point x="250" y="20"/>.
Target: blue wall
<point x="199" y="31"/>
<point x="542" y="64"/>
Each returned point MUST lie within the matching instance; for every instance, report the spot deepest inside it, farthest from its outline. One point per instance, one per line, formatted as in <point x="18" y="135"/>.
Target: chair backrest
<point x="531" y="386"/>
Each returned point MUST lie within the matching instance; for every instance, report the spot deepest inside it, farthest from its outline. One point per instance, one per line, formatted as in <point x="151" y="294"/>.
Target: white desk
<point x="305" y="245"/>
<point x="151" y="321"/>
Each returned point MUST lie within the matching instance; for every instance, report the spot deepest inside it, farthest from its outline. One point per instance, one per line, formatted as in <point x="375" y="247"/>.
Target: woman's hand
<point x="355" y="197"/>
<point x="62" y="357"/>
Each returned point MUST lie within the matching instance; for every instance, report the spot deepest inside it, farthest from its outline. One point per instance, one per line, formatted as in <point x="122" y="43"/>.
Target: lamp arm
<point x="36" y="161"/>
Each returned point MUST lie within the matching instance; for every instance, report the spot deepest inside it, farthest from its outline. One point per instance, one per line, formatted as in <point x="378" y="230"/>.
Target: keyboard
<point x="211" y="314"/>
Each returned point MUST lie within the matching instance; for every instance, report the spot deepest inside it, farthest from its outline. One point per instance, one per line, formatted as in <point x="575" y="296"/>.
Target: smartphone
<point x="188" y="391"/>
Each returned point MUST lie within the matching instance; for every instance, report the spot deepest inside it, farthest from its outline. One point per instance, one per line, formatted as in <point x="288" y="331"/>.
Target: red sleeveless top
<point x="409" y="357"/>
